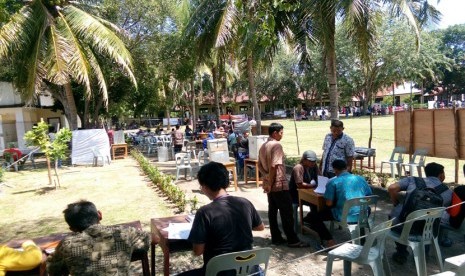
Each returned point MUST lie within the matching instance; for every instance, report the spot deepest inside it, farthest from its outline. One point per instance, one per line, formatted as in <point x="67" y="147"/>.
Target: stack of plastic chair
<point x="396" y="160"/>
<point x="183" y="162"/>
<point x="371" y="253"/>
<point x="417" y="241"/>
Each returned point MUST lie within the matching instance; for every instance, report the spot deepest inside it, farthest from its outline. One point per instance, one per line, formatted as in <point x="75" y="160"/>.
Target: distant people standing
<point x="271" y="165"/>
<point x="337" y="145"/>
<point x="178" y="139"/>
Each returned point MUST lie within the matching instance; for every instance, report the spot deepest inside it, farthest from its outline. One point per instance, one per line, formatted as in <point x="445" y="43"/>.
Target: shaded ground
<point x="30" y="208"/>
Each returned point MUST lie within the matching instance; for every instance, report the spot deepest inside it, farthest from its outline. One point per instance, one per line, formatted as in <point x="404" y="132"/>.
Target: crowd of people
<point x="227" y="223"/>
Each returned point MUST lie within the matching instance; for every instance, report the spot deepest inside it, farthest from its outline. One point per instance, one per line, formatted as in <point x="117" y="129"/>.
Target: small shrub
<point x="162" y="181"/>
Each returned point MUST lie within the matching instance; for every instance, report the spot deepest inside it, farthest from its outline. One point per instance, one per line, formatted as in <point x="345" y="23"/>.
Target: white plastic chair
<point x="418" y="162"/>
<point x="366" y="215"/>
<point x="418" y="241"/>
<point x="244" y="262"/>
<point x="183" y="161"/>
<point x="371" y="253"/>
<point x="396" y="160"/>
<point x="152" y="145"/>
<point x="98" y="155"/>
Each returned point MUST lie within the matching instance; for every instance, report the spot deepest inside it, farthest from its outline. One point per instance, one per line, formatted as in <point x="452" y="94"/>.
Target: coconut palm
<point x="53" y="42"/>
<point x="359" y="19"/>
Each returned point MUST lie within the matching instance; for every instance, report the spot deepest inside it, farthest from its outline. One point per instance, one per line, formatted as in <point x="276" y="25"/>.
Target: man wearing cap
<point x="303" y="176"/>
<point x="337" y="145"/>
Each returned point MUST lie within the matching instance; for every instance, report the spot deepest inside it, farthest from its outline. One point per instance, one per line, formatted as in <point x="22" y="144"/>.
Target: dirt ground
<point x="307" y="261"/>
<point x="125" y="176"/>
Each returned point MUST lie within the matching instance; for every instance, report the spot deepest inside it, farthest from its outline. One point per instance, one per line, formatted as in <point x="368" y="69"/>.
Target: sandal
<point x="298" y="245"/>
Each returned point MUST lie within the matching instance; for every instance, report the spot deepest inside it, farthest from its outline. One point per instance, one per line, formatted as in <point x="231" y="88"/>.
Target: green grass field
<point x="311" y="134"/>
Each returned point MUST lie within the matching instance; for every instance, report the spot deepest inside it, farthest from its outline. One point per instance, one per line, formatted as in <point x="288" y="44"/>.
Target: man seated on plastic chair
<point x="434" y="177"/>
<point x="225" y="225"/>
<point x="338" y="190"/>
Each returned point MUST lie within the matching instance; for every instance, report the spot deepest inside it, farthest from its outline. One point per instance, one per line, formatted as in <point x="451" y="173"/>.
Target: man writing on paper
<point x="225" y="225"/>
<point x="338" y="190"/>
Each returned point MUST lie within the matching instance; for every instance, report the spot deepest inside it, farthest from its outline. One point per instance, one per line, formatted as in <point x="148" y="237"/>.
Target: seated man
<point x="95" y="249"/>
<point x="434" y="177"/>
<point x="225" y="225"/>
<point x="15" y="260"/>
<point x="338" y="190"/>
<point x="304" y="176"/>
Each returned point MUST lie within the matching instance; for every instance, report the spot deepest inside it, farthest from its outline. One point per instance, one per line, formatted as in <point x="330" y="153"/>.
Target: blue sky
<point x="453" y="12"/>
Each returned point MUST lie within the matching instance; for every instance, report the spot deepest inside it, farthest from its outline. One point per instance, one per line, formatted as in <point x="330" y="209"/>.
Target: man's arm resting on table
<point x="198" y="248"/>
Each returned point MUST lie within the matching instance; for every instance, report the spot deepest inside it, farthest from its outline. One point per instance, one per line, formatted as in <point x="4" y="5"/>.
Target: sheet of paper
<point x="322" y="181"/>
<point x="179" y="231"/>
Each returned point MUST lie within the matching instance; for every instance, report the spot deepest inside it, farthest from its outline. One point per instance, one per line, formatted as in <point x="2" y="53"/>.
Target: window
<point x="243" y="108"/>
<point x="203" y="110"/>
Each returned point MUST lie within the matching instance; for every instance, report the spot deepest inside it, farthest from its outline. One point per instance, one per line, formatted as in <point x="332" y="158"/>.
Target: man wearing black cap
<point x="337" y="145"/>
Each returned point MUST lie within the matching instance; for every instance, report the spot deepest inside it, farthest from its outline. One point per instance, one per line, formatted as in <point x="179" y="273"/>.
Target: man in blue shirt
<point x="340" y="189"/>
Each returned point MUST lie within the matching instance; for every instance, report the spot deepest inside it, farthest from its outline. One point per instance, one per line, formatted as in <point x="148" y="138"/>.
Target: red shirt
<point x="17" y="154"/>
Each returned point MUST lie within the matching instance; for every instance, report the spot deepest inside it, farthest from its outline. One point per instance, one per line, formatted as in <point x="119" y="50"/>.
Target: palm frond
<point x="78" y="65"/>
<point x="226" y="24"/>
<point x="57" y="55"/>
<point x="96" y="69"/>
<point x="92" y="32"/>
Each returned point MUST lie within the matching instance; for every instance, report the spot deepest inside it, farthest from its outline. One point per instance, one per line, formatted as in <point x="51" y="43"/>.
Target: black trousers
<point x="281" y="201"/>
<point x="316" y="222"/>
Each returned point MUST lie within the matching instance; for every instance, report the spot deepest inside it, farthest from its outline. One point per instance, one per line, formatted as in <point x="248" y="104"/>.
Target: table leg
<point x="234" y="177"/>
<point x="245" y="172"/>
<point x="257" y="175"/>
<point x="301" y="215"/>
<point x="166" y="263"/>
<point x="152" y="259"/>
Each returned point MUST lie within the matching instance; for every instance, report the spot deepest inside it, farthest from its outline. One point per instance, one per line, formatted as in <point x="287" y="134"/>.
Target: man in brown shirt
<point x="271" y="165"/>
<point x="178" y="139"/>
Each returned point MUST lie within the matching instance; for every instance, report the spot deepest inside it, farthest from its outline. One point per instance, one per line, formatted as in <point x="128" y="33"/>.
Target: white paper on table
<point x="179" y="231"/>
<point x="322" y="181"/>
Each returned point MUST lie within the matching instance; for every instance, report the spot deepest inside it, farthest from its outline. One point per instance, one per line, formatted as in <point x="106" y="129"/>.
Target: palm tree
<point x="358" y="16"/>
<point x="53" y="42"/>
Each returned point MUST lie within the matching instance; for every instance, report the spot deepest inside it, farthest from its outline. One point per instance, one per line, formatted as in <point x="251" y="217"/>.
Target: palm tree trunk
<point x="215" y="93"/>
<point x="85" y="117"/>
<point x="331" y="71"/>
<point x="97" y="109"/>
<point x="193" y="115"/>
<point x="250" y="76"/>
<point x="70" y="111"/>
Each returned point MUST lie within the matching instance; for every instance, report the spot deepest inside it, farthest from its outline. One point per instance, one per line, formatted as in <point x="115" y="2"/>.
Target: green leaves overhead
<point x="56" y="42"/>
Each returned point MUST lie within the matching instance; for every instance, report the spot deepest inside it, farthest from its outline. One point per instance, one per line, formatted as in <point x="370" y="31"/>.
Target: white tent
<point x="84" y="140"/>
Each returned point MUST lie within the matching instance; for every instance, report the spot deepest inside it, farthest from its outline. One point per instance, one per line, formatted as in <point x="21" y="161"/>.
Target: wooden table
<point x="309" y="195"/>
<point x="231" y="166"/>
<point x="114" y="147"/>
<point x="253" y="162"/>
<point x="160" y="237"/>
<point x="51" y="241"/>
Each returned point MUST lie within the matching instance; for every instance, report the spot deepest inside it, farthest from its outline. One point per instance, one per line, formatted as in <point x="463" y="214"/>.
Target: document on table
<point x="322" y="181"/>
<point x="179" y="231"/>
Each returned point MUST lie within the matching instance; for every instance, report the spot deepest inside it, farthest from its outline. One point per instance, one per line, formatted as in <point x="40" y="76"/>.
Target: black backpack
<point x="422" y="197"/>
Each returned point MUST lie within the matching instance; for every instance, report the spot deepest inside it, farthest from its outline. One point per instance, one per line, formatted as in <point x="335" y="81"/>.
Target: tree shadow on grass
<point x="32" y="228"/>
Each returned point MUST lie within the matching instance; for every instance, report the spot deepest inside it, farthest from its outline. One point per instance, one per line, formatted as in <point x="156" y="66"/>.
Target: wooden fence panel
<point x="423" y="131"/>
<point x="444" y="133"/>
<point x="402" y="129"/>
<point x="461" y="130"/>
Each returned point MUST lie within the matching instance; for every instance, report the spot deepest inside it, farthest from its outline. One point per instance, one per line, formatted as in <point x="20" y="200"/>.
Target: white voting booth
<point x="255" y="143"/>
<point x="218" y="150"/>
<point x="82" y="143"/>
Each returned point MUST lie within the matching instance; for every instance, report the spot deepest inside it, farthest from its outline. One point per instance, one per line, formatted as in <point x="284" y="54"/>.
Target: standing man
<point x="225" y="225"/>
<point x="340" y="189"/>
<point x="337" y="145"/>
<point x="271" y="165"/>
<point x="95" y="249"/>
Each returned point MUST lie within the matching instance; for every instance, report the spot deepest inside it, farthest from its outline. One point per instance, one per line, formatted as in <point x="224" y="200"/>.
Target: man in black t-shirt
<point x="225" y="225"/>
